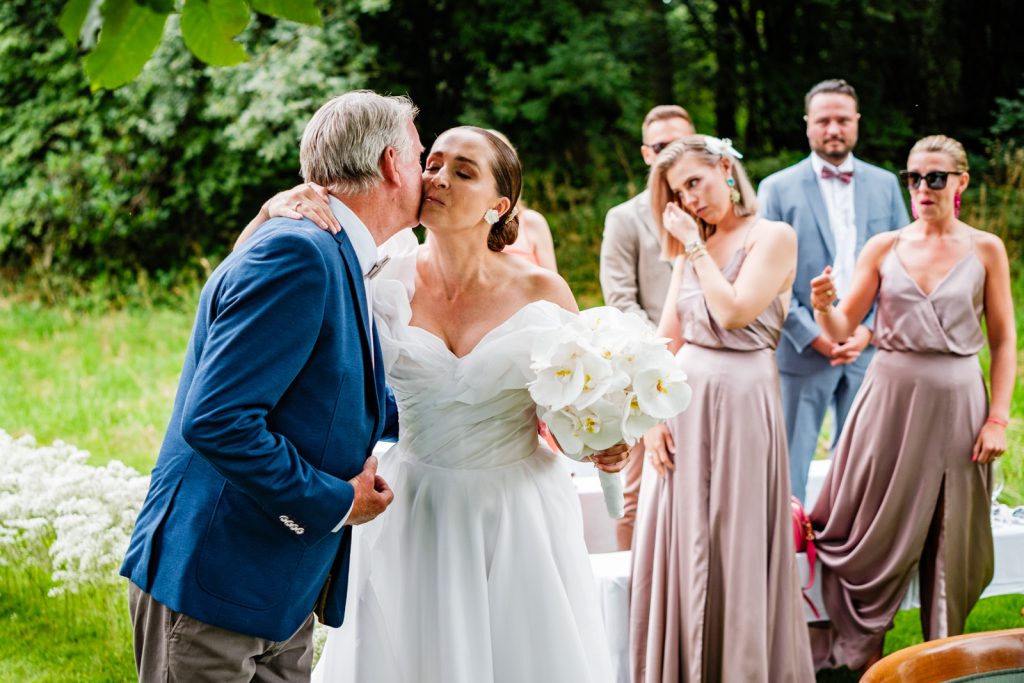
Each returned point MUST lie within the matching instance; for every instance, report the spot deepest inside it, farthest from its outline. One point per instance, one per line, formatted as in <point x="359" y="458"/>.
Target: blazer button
<point x="284" y="518"/>
<point x="300" y="531"/>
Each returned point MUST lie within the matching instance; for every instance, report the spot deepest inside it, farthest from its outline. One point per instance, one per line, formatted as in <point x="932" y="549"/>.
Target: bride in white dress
<point x="478" y="572"/>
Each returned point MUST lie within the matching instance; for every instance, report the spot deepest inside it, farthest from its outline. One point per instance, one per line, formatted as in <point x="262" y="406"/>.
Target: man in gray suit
<point x="633" y="276"/>
<point x="836" y="203"/>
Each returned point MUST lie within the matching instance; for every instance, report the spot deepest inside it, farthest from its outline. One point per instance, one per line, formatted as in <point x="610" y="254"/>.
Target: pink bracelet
<point x="997" y="421"/>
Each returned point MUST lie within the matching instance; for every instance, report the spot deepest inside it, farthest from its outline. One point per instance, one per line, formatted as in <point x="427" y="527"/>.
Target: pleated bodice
<point x="948" y="320"/>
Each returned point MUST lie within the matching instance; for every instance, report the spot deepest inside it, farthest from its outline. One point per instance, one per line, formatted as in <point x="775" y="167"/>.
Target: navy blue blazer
<point x="278" y="405"/>
<point x="792" y="195"/>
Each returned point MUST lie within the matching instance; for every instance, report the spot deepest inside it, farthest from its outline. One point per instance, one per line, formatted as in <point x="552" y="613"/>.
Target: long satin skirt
<point x="715" y="590"/>
<point x="902" y="496"/>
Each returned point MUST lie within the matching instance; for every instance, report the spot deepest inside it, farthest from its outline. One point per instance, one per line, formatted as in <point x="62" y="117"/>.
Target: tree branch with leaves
<point x="120" y="36"/>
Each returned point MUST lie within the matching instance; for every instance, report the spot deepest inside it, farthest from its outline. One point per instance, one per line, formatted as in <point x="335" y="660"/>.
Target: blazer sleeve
<point x="267" y="319"/>
<point x="799" y="329"/>
<point x="620" y="250"/>
<point x="768" y="201"/>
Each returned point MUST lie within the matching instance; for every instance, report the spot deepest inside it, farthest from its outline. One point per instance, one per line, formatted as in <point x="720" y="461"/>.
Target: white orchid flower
<point x="600" y="379"/>
<point x="661" y="390"/>
<point x="566" y="427"/>
<point x="561" y="373"/>
<point x="600" y="425"/>
<point x="634" y="421"/>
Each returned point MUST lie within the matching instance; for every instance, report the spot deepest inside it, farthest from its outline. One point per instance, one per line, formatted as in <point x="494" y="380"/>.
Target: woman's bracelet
<point x="694" y="249"/>
<point x="997" y="421"/>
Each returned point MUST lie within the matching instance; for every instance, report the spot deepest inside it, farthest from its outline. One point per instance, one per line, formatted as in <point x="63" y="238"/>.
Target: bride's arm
<point x="307" y="200"/>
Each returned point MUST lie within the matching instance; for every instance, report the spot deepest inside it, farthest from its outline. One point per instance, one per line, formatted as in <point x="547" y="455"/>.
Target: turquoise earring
<point x="734" y="194"/>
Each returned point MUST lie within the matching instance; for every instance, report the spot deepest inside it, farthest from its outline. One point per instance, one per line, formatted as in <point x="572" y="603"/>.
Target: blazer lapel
<point x="643" y="209"/>
<point x="861" y="194"/>
<point x="812" y="192"/>
<point x="355" y="277"/>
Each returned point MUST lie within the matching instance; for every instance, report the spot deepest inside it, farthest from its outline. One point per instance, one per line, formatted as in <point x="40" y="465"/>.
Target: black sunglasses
<point x="658" y="146"/>
<point x="936" y="180"/>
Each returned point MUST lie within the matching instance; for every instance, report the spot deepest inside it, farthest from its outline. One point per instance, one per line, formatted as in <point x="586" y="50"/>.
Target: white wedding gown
<point x="477" y="572"/>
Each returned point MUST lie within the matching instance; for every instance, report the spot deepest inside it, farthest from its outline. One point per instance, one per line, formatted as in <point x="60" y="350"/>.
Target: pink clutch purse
<point x="803" y="541"/>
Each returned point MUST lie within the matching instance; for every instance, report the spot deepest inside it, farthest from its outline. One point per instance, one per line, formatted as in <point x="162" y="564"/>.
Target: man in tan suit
<point x="633" y="276"/>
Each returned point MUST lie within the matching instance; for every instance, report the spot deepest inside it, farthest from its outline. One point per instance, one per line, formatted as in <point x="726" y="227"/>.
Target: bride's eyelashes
<point x="460" y="174"/>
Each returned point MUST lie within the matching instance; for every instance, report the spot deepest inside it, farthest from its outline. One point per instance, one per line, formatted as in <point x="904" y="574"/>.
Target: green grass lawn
<point x="105" y="382"/>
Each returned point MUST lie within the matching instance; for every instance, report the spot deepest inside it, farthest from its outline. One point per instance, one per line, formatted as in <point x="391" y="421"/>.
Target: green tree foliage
<point x="164" y="171"/>
<point x="129" y="31"/>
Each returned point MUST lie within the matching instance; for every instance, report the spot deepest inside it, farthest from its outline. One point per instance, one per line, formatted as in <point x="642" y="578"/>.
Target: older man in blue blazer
<point x="266" y="464"/>
<point x="836" y="203"/>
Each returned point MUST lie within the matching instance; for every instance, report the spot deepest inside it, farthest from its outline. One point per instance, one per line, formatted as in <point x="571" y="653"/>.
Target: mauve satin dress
<point x="715" y="592"/>
<point x="902" y="495"/>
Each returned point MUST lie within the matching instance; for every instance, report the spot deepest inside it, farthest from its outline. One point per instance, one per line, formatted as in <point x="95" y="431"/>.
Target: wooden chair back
<point x="952" y="658"/>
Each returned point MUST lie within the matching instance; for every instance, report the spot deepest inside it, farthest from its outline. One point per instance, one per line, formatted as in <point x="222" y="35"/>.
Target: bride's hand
<point x="611" y="459"/>
<point x="307" y="200"/>
<point x="659" y="449"/>
<point x="679" y="224"/>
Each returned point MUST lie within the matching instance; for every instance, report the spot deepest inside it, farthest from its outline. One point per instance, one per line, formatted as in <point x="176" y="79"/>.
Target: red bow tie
<point x="845" y="176"/>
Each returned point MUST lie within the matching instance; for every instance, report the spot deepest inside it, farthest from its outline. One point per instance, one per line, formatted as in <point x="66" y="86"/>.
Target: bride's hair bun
<point x="503" y="233"/>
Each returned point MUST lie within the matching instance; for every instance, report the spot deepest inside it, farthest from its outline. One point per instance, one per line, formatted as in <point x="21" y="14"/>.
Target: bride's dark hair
<point x="508" y="180"/>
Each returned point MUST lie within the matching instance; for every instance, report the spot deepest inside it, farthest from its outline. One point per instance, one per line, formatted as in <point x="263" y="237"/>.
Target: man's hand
<point x="850" y="350"/>
<point x="825" y="346"/>
<point x="611" y="459"/>
<point x="373" y="495"/>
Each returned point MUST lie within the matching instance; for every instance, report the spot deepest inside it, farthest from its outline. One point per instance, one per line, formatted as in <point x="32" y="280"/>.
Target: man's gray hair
<point x="342" y="145"/>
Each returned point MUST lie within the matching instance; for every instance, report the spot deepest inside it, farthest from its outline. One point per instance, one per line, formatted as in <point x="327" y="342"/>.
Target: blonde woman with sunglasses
<point x="908" y="490"/>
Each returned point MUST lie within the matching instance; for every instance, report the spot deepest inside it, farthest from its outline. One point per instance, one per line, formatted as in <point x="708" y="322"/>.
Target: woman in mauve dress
<point x="908" y="490"/>
<point x="715" y="592"/>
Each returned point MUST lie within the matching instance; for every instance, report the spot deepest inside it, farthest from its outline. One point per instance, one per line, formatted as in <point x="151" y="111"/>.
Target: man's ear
<point x="648" y="154"/>
<point x="389" y="166"/>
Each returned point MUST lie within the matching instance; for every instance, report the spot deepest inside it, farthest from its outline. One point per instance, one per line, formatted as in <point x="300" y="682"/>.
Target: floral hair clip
<point x="721" y="147"/>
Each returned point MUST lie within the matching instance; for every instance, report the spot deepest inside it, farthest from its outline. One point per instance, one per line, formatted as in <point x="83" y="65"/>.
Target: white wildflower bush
<point x="55" y="508"/>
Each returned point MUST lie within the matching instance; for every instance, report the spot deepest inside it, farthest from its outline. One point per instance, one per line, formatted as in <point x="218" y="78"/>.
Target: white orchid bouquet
<point x="603" y="379"/>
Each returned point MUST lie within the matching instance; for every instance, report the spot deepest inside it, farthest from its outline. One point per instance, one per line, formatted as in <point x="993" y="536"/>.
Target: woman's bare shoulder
<point x="539" y="284"/>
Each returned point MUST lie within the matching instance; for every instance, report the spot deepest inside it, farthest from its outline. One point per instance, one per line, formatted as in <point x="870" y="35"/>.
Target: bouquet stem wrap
<point x="611" y="487"/>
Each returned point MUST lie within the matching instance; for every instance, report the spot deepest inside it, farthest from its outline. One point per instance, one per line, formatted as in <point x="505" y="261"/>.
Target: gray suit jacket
<point x="633" y="276"/>
<point x="792" y="195"/>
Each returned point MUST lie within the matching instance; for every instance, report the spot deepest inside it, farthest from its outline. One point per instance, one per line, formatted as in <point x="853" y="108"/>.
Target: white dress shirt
<point x="366" y="253"/>
<point x="838" y="198"/>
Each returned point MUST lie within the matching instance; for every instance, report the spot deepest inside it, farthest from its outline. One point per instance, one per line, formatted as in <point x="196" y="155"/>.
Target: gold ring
<point x="297" y="205"/>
